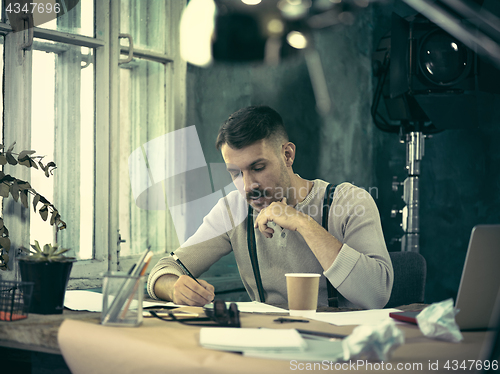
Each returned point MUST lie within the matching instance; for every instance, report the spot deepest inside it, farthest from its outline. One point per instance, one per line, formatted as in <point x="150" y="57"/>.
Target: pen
<point x="146" y="261"/>
<point x="131" y="269"/>
<point x="174" y="256"/>
<point x="322" y="334"/>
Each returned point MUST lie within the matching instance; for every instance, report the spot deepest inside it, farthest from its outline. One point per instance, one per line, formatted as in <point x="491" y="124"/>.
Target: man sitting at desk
<point x="289" y="236"/>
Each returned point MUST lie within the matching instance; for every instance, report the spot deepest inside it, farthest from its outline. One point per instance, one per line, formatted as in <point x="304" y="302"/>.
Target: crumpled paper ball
<point x="374" y="343"/>
<point x="437" y="321"/>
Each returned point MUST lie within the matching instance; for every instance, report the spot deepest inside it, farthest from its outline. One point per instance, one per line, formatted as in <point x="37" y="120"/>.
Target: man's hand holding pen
<point x="187" y="291"/>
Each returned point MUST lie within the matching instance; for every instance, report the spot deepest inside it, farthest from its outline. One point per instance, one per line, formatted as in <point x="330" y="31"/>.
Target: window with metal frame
<point x="72" y="97"/>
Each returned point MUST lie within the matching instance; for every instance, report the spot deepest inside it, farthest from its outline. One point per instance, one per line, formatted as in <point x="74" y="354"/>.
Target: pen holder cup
<point x="122" y="299"/>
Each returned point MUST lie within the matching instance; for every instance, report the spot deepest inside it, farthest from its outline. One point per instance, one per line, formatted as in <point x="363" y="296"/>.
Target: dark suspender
<point x="252" y="251"/>
<point x="333" y="294"/>
<point x="252" y="248"/>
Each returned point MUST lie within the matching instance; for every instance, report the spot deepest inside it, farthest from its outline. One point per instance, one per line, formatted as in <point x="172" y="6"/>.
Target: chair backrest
<point x="410" y="270"/>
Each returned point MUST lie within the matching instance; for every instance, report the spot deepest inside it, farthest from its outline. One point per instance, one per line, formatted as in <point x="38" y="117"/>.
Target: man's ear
<point x="289" y="153"/>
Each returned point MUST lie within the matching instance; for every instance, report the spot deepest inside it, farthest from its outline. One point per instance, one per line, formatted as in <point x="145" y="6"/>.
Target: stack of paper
<point x="241" y="340"/>
<point x="359" y="317"/>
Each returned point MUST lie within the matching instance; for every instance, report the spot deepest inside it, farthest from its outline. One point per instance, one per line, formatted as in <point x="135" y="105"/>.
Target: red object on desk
<point x="409" y="316"/>
<point x="7" y="316"/>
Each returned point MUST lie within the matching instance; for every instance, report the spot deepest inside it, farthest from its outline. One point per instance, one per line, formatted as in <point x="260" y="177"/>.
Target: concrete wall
<point x="460" y="180"/>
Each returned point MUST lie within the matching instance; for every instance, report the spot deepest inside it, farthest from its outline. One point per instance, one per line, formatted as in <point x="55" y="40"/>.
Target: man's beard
<point x="268" y="194"/>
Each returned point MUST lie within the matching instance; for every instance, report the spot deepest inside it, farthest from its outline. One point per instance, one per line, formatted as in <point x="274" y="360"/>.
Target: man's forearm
<point x="324" y="245"/>
<point x="164" y="286"/>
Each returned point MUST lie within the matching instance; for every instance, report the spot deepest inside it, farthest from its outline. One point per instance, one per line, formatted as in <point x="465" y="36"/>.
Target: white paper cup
<point x="302" y="291"/>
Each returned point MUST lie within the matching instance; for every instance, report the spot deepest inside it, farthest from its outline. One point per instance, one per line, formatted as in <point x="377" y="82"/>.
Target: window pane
<point x="142" y="118"/>
<point x="63" y="131"/>
<point x="78" y="20"/>
<point x="146" y="21"/>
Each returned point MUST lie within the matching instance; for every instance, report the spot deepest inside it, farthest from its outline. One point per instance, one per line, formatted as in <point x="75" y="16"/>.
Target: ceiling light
<point x="296" y="40"/>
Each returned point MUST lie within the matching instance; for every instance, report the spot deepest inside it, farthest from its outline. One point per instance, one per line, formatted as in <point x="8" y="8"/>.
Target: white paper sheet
<point x="91" y="301"/>
<point x="235" y="339"/>
<point x="360" y="317"/>
<point x="256" y="307"/>
<point x="316" y="351"/>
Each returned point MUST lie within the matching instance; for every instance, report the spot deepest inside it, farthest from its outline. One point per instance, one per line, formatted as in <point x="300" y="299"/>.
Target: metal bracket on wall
<point x="29" y="42"/>
<point x="130" y="48"/>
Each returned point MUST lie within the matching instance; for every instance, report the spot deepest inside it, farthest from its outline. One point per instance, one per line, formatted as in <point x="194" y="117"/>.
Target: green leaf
<point x="8" y="178"/>
<point x="54" y="217"/>
<point x="3" y="159"/>
<point x="61" y="225"/>
<point x="36" y="247"/>
<point x="51" y="249"/>
<point x="47" y="249"/>
<point x="42" y="166"/>
<point x="4" y="189"/>
<point x="23" y="185"/>
<point x="5" y="243"/>
<point x="11" y="160"/>
<point x="48" y="170"/>
<point x="24" y="250"/>
<point x="14" y="190"/>
<point x="11" y="148"/>
<point x="36" y="199"/>
<point x="24" y="198"/>
<point x="24" y="154"/>
<point x="28" y="162"/>
<point x="61" y="251"/>
<point x="44" y="212"/>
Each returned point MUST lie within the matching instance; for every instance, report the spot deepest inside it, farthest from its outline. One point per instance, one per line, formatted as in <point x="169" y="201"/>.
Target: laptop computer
<point x="480" y="281"/>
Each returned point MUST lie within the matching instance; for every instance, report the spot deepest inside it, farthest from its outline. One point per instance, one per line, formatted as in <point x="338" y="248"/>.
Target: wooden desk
<point x="177" y="349"/>
<point x="30" y="345"/>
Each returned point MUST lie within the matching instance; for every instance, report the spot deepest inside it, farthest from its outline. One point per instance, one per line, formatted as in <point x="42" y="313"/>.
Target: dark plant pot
<point x="50" y="280"/>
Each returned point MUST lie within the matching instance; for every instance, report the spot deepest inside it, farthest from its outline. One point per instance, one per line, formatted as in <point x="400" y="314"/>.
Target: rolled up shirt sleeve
<point x="209" y="243"/>
<point x="362" y="272"/>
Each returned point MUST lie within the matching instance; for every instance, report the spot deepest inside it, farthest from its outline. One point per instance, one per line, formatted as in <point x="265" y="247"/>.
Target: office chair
<point x="410" y="270"/>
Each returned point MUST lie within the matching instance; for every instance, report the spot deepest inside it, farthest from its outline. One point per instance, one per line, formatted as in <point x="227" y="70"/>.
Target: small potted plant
<point x="49" y="270"/>
<point x="20" y="190"/>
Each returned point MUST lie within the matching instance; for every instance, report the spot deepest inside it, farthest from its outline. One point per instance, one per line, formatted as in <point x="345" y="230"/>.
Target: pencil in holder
<point x="15" y="299"/>
<point x="122" y="299"/>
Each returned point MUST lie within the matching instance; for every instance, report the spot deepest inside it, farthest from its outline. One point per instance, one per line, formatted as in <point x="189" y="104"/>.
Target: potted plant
<point x="49" y="270"/>
<point x="19" y="190"/>
<point x="50" y="260"/>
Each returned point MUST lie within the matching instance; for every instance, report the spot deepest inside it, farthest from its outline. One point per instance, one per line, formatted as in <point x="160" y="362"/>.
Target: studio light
<point x="432" y="79"/>
<point x="443" y="60"/>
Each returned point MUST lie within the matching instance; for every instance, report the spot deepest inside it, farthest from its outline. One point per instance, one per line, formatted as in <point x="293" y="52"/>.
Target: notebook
<point x="241" y="340"/>
<point x="480" y="281"/>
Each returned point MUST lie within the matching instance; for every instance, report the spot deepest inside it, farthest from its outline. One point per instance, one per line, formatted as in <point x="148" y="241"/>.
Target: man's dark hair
<point x="249" y="125"/>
